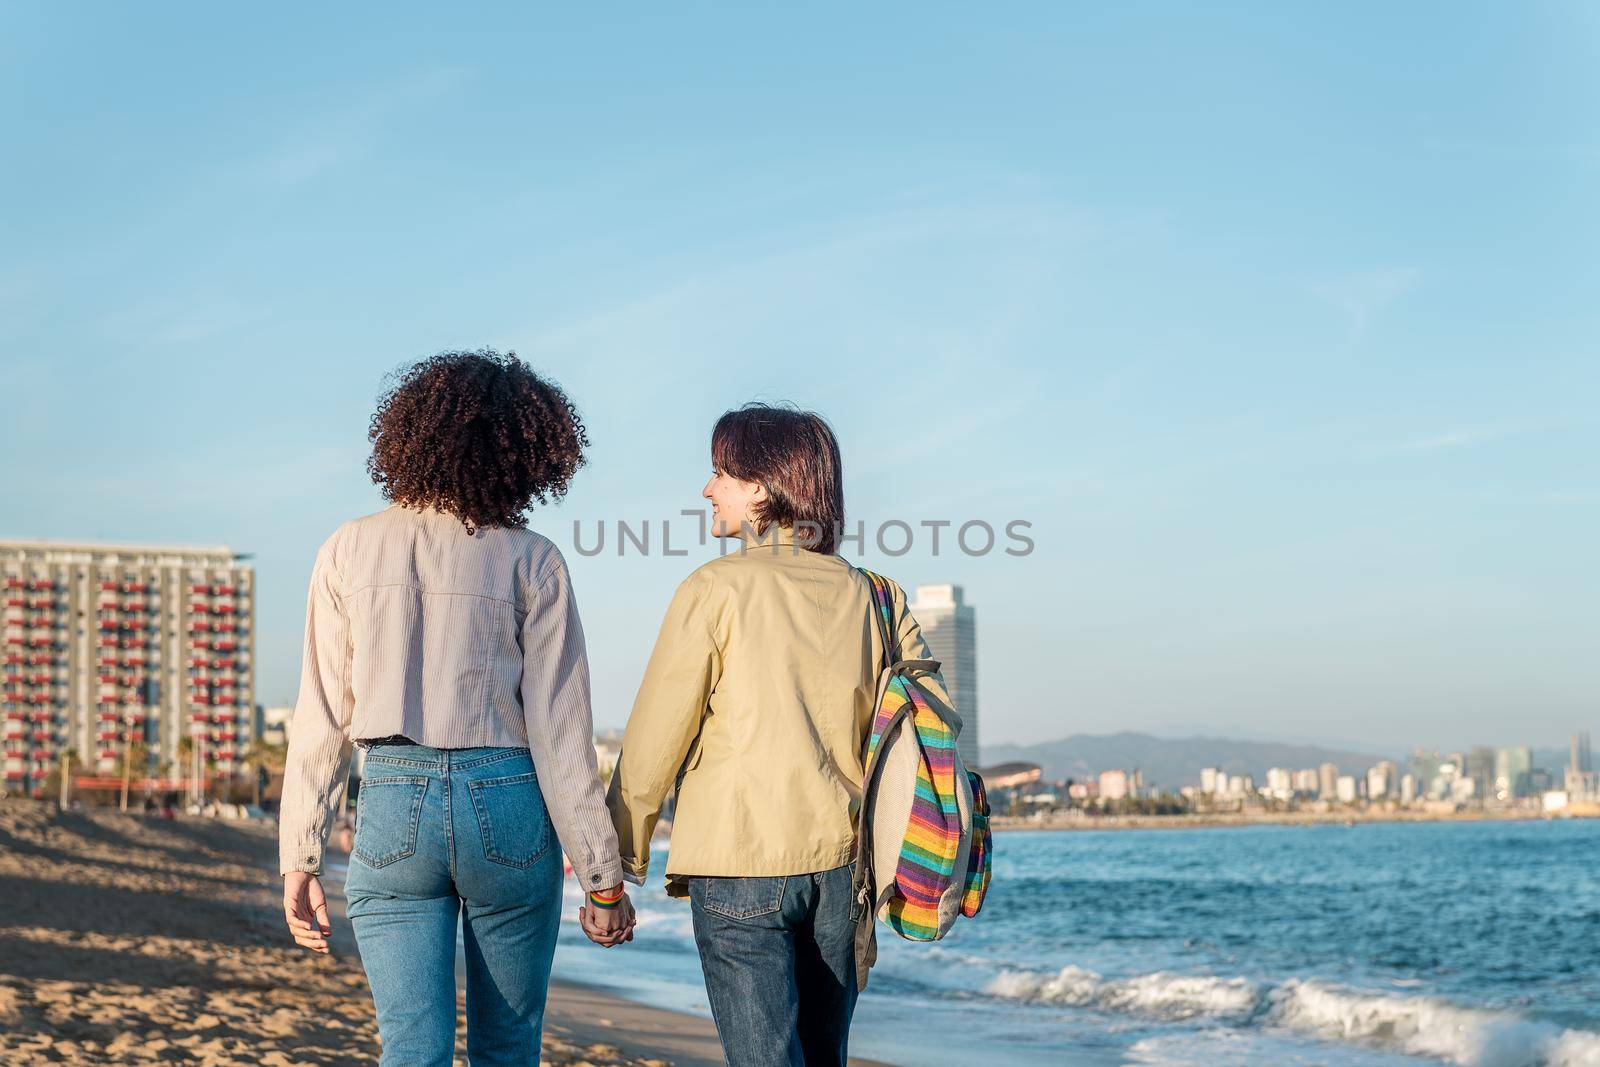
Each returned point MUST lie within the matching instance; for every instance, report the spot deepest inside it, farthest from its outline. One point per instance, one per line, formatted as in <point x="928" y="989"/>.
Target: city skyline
<point x="1283" y="349"/>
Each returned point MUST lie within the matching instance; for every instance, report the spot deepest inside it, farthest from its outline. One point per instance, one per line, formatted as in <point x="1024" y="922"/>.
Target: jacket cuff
<point x="300" y="856"/>
<point x="600" y="876"/>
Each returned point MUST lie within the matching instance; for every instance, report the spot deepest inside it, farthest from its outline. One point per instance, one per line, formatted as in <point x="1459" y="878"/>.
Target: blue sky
<point x="1276" y="322"/>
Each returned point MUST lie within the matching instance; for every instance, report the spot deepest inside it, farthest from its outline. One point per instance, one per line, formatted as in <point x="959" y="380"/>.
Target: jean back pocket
<point x="511" y="819"/>
<point x="387" y="811"/>
<point x="738" y="897"/>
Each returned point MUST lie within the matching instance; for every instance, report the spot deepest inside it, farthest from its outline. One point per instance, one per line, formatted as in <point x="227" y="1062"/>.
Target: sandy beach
<point x="132" y="939"/>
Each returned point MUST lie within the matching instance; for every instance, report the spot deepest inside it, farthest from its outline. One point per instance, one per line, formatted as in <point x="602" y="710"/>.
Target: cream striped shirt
<point x="414" y="627"/>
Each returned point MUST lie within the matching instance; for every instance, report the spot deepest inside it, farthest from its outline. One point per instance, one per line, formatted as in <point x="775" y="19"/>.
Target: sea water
<point x="1347" y="946"/>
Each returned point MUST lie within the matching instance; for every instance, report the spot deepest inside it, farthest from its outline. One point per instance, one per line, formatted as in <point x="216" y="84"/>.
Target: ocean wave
<point x="1425" y="1026"/>
<point x="1169" y="996"/>
<point x="1416" y="1026"/>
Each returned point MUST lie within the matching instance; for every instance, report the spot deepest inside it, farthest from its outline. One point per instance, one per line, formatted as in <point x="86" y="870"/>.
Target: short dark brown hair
<point x="475" y="434"/>
<point x="795" y="455"/>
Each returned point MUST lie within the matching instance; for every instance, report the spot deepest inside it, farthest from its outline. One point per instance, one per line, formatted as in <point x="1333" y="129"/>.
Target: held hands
<point x="608" y="926"/>
<point x="305" y="908"/>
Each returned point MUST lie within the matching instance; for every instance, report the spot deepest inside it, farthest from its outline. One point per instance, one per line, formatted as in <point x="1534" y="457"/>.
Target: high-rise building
<point x="1381" y="780"/>
<point x="1512" y="767"/>
<point x="1328" y="781"/>
<point x="1480" y="770"/>
<point x="104" y="642"/>
<point x="949" y="626"/>
<point x="1580" y="778"/>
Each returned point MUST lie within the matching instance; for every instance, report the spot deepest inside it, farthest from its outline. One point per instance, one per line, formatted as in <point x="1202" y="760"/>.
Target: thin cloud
<point x="1364" y="295"/>
<point x="348" y="132"/>
<point x="1439" y="442"/>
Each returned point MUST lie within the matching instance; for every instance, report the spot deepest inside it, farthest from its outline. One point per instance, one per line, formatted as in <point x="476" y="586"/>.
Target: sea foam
<point x="1415" y="1026"/>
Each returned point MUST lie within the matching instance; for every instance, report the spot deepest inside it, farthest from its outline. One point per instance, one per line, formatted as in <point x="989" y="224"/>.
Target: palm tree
<point x="267" y="758"/>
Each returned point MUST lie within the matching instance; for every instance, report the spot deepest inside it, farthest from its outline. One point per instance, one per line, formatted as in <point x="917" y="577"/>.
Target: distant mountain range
<point x="1172" y="762"/>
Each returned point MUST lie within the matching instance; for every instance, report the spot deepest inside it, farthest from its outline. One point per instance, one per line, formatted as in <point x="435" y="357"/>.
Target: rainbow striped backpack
<point x="924" y="850"/>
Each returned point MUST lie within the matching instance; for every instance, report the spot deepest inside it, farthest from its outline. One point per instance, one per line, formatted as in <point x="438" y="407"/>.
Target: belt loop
<point x="444" y="761"/>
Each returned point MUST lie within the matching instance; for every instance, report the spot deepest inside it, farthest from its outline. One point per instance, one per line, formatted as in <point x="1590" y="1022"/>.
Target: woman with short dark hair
<point x="756" y="704"/>
<point x="443" y="638"/>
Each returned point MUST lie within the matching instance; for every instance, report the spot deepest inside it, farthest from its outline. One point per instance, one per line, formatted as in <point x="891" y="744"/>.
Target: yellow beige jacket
<point x="756" y="704"/>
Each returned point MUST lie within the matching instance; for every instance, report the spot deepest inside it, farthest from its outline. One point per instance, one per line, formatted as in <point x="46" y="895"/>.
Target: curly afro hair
<point x="475" y="434"/>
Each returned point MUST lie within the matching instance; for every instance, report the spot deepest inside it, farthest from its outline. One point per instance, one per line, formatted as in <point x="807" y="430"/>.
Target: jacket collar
<point x="772" y="537"/>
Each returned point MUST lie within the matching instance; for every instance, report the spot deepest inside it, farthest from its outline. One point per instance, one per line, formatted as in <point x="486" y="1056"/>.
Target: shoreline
<point x="1234" y="820"/>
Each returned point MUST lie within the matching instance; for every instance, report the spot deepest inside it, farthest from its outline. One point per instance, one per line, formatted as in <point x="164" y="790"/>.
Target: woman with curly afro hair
<point x="442" y="637"/>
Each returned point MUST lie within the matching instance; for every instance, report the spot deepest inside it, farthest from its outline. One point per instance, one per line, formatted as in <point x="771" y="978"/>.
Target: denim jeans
<point x="779" y="960"/>
<point x="442" y="835"/>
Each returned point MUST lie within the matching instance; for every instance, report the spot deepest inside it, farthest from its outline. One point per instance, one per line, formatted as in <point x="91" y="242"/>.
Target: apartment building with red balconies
<point x="103" y="644"/>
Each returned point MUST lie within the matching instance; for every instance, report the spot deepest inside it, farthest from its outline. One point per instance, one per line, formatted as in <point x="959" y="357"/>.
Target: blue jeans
<point x="779" y="960"/>
<point x="442" y="835"/>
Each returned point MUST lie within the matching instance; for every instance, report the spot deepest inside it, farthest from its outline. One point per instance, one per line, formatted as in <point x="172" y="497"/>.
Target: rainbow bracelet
<point x="601" y="901"/>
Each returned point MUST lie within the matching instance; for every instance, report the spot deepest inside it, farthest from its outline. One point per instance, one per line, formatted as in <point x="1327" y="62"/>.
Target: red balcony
<point x="41" y="658"/>
<point x="108" y="642"/>
<point x="198" y="626"/>
<point x="41" y="583"/>
<point x="39" y="772"/>
<point x="108" y="587"/>
<point x="107" y="699"/>
<point x="200" y="644"/>
<point x="223" y="663"/>
<point x="222" y="698"/>
<point x="134" y="587"/>
<point x="133" y="661"/>
<point x="197" y="663"/>
<point x="224" y="609"/>
<point x="15" y="602"/>
<point x="223" y="627"/>
<point x="108" y="624"/>
<point x="105" y="754"/>
<point x="41" y="754"/>
<point x="106" y="716"/>
<point x="200" y="589"/>
<point x="226" y="715"/>
<point x="38" y="642"/>
<point x="16" y="716"/>
<point x="16" y="583"/>
<point x="133" y="605"/>
<point x="223" y="646"/>
<point x="13" y="640"/>
<point x="107" y="735"/>
<point x="42" y="603"/>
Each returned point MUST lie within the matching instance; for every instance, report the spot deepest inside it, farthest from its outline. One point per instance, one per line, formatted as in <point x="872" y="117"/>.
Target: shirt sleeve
<point x="684" y="668"/>
<point x="318" y="762"/>
<point x="560" y="722"/>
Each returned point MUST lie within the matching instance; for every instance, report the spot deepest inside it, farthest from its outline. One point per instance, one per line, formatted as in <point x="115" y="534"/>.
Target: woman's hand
<point x="305" y="908"/>
<point x="608" y="927"/>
